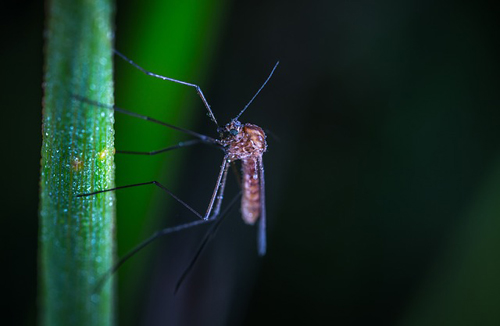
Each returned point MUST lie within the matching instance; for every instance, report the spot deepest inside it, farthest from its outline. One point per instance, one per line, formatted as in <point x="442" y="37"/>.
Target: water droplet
<point x="95" y="298"/>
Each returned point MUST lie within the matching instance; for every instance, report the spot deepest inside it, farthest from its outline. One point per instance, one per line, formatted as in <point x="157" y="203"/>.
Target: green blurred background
<point x="383" y="177"/>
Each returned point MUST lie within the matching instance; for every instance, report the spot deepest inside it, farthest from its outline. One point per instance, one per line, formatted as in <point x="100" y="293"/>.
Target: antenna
<point x="261" y="87"/>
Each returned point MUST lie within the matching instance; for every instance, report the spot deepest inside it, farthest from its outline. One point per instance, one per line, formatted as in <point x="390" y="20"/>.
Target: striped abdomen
<point x="250" y="201"/>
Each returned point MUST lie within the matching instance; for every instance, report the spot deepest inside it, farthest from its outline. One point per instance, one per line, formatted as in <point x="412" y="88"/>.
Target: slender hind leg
<point x="218" y="191"/>
<point x="156" y="183"/>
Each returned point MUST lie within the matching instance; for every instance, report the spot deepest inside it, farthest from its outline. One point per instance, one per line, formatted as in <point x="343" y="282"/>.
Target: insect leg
<point x="201" y="137"/>
<point x="163" y="150"/>
<point x="220" y="195"/>
<point x="208" y="236"/>
<point x="149" y="73"/>
<point x="221" y="181"/>
<point x="166" y="231"/>
<point x="156" y="183"/>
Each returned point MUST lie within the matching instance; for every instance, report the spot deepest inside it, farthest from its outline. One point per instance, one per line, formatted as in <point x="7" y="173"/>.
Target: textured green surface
<point x="76" y="234"/>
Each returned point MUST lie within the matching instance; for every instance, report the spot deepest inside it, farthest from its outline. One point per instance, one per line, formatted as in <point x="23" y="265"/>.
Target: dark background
<point x="383" y="177"/>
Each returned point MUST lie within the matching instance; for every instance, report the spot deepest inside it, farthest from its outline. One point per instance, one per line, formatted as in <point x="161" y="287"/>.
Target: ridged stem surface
<point x="76" y="234"/>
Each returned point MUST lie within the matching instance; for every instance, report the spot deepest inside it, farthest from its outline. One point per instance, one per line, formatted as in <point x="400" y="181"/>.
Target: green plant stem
<point x="76" y="234"/>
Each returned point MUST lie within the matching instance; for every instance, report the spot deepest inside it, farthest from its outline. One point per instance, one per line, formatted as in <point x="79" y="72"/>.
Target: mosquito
<point x="244" y="142"/>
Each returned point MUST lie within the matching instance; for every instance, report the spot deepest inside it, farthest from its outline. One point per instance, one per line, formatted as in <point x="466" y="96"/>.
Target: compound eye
<point x="233" y="132"/>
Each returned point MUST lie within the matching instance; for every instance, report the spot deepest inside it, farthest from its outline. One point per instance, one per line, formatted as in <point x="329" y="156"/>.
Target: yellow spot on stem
<point x="103" y="154"/>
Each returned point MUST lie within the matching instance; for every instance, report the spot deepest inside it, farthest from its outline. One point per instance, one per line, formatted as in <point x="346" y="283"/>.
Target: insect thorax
<point x="244" y="141"/>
